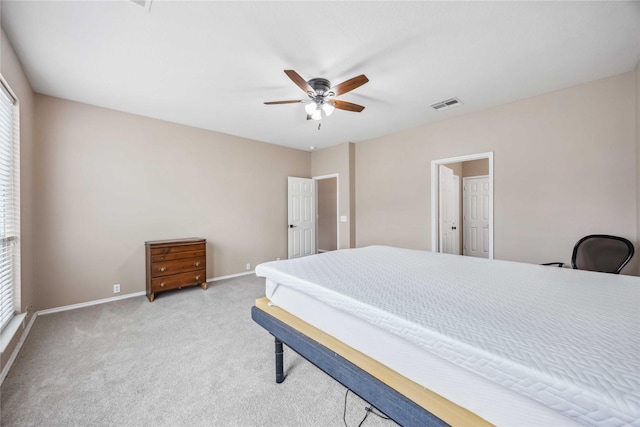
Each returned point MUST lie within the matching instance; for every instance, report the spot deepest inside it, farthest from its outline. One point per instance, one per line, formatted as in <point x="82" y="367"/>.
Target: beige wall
<point x="338" y="160"/>
<point x="564" y="167"/>
<point x="456" y="168"/>
<point x="108" y="181"/>
<point x="13" y="74"/>
<point x="475" y="168"/>
<point x="327" y="212"/>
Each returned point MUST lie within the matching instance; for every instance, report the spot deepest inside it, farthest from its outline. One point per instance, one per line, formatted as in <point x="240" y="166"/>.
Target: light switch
<point x="343" y="218"/>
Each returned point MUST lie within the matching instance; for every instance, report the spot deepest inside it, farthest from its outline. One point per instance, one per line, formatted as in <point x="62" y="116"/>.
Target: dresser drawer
<point x="178" y="280"/>
<point x="177" y="249"/>
<point x="166" y="268"/>
<point x="177" y="255"/>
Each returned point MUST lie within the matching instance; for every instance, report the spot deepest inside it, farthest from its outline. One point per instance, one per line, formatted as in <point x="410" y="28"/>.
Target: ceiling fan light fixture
<point x="317" y="114"/>
<point x="310" y="107"/>
<point x="328" y="108"/>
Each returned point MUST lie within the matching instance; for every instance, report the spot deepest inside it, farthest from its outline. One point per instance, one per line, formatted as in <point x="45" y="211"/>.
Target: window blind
<point x="9" y="206"/>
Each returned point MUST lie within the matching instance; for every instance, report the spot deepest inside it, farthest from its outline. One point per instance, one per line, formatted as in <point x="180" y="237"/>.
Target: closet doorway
<point x="462" y="218"/>
<point x="328" y="234"/>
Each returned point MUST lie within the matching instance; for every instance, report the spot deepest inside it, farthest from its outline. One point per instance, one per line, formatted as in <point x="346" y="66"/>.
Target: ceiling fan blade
<point x="302" y="83"/>
<point x="349" y="85"/>
<point x="293" y="101"/>
<point x="344" y="105"/>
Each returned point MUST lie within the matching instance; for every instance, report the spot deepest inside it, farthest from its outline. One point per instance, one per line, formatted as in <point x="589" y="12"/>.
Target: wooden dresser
<point x="173" y="264"/>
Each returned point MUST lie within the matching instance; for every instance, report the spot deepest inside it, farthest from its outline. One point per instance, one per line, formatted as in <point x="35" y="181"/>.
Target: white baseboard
<point x="89" y="303"/>
<point x="5" y="371"/>
<point x="9" y="331"/>
<point x="231" y="276"/>
<point x="7" y="367"/>
<point x="131" y="295"/>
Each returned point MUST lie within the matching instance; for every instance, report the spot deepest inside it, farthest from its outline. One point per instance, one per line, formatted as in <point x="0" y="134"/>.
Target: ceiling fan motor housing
<point x="321" y="86"/>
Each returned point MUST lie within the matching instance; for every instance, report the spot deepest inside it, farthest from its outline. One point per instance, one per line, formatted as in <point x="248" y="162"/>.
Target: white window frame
<point x="10" y="322"/>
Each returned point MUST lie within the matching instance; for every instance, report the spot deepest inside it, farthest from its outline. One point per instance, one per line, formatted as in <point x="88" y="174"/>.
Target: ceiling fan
<point x="322" y="95"/>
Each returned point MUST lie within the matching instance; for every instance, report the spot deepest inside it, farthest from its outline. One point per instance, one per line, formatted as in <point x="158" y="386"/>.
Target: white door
<point x="448" y="212"/>
<point x="302" y="213"/>
<point x="456" y="215"/>
<point x="476" y="216"/>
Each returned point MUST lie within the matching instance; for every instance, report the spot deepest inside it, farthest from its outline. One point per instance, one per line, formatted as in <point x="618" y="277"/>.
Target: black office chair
<point x="600" y="252"/>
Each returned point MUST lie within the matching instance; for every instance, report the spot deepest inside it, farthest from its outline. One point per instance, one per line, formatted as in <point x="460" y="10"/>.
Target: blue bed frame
<point x="392" y="403"/>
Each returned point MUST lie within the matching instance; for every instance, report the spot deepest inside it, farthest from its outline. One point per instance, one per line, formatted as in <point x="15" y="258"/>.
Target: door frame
<point x="337" y="177"/>
<point x="434" y="194"/>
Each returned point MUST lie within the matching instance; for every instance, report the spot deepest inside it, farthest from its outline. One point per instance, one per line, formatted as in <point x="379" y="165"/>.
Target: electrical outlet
<point x="278" y="259"/>
<point x="248" y="266"/>
<point x="116" y="288"/>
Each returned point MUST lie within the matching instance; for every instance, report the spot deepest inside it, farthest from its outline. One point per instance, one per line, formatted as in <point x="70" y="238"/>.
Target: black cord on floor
<point x="369" y="409"/>
<point x="344" y="413"/>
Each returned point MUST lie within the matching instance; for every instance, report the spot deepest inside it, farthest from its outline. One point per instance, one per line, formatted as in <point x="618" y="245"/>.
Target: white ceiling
<point x="212" y="64"/>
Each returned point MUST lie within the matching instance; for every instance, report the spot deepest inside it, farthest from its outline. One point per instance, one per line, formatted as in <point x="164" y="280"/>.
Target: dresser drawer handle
<point x="162" y="285"/>
<point x="162" y="268"/>
<point x="197" y="263"/>
<point x="197" y="277"/>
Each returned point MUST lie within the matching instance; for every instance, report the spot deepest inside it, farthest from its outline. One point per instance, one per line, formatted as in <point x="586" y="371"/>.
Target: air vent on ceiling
<point x="144" y="3"/>
<point x="446" y="104"/>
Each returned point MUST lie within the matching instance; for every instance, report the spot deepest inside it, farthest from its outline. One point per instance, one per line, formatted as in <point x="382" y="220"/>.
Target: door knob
<point x="292" y="226"/>
<point x="453" y="228"/>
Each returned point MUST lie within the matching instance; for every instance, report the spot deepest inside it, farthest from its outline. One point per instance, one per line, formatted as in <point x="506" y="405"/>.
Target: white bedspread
<point x="568" y="339"/>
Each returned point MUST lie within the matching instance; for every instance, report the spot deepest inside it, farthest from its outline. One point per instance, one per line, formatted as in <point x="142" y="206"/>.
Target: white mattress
<point x="566" y="341"/>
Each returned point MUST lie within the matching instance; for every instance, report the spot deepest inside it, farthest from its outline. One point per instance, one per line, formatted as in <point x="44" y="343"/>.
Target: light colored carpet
<point x="191" y="358"/>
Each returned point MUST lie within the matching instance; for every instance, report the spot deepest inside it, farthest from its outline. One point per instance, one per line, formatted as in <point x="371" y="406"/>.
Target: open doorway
<point x="462" y="205"/>
<point x="327" y="213"/>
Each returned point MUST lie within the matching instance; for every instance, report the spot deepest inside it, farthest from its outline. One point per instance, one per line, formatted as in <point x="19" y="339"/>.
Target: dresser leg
<point x="151" y="296"/>
<point x="204" y="286"/>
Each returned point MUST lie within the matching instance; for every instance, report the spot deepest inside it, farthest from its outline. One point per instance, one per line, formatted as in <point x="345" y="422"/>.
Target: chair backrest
<point x="600" y="252"/>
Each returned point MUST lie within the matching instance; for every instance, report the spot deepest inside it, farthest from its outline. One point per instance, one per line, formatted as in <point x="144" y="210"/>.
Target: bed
<point x="462" y="340"/>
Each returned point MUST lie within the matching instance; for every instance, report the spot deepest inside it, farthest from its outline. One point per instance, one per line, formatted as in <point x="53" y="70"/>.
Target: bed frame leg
<point x="279" y="368"/>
